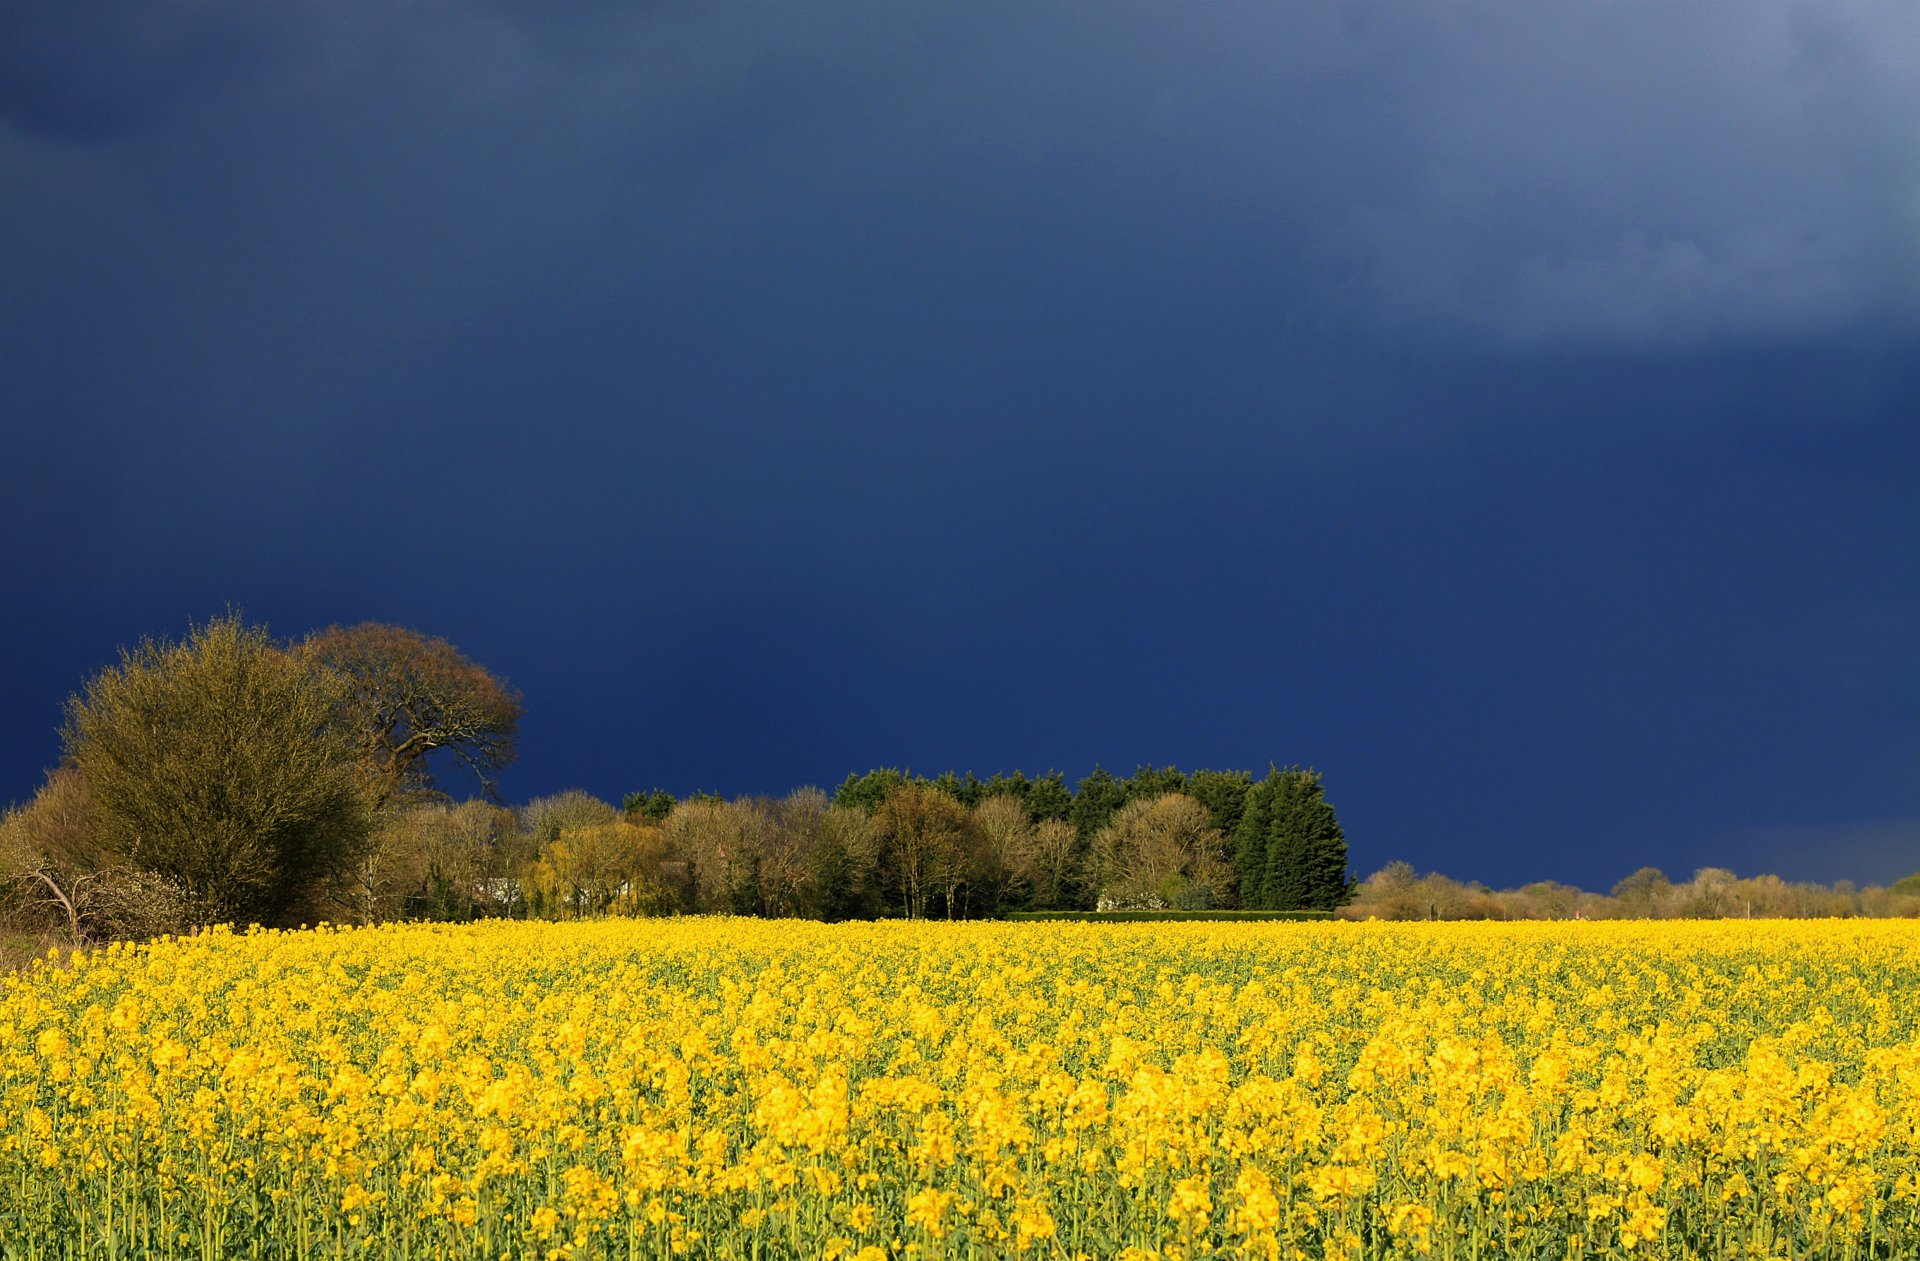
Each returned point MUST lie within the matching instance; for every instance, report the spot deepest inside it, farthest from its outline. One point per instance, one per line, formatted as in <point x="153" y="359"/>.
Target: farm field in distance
<point x="740" y="1088"/>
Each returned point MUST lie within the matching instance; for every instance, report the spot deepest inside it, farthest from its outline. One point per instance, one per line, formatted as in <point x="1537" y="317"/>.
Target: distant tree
<point x="969" y="876"/>
<point x="842" y="866"/>
<point x="1039" y="857"/>
<point x="1290" y="852"/>
<point x="217" y="764"/>
<point x="545" y="818"/>
<point x="1149" y="781"/>
<point x="653" y="806"/>
<point x="793" y="831"/>
<point x="1016" y="786"/>
<point x="1224" y="794"/>
<point x="1057" y="878"/>
<point x="442" y="861"/>
<point x="866" y="792"/>
<point x="968" y="790"/>
<point x="1711" y="894"/>
<point x="1442" y="897"/>
<point x="407" y="696"/>
<point x="1644" y="893"/>
<point x="925" y="836"/>
<point x="1160" y="852"/>
<point x="1049" y="798"/>
<point x="1546" y="899"/>
<point x="1095" y="800"/>
<point x="1390" y="893"/>
<point x="1908" y="886"/>
<point x="720" y="841"/>
<point x="1250" y="840"/>
<point x="599" y="869"/>
<point x="1007" y="833"/>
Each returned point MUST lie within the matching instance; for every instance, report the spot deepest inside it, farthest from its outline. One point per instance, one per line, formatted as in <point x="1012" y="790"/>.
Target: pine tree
<point x="1306" y="858"/>
<point x="1250" y="843"/>
<point x="866" y="792"/>
<point x="1150" y="781"/>
<point x="1016" y="786"/>
<point x="1224" y="794"/>
<point x="653" y="806"/>
<point x="1098" y="796"/>
<point x="1049" y="798"/>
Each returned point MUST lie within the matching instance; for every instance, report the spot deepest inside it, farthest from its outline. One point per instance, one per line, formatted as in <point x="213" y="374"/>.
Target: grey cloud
<point x="1650" y="175"/>
<point x="1505" y="175"/>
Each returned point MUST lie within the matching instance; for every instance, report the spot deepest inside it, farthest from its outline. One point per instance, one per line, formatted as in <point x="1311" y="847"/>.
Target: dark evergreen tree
<point x="1224" y="794"/>
<point x="866" y="792"/>
<point x="1049" y="798"/>
<point x="1151" y="781"/>
<point x="1096" y="799"/>
<point x="1098" y="796"/>
<point x="1290" y="853"/>
<point x="651" y="806"/>
<point x="1250" y="842"/>
<point x="969" y="792"/>
<point x="1016" y="786"/>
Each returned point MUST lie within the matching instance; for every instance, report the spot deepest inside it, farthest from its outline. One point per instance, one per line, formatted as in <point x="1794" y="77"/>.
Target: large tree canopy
<point x="406" y="695"/>
<point x="216" y="762"/>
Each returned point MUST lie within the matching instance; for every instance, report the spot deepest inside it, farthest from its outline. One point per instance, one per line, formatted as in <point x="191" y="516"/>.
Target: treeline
<point x="1398" y="892"/>
<point x="231" y="777"/>
<point x="886" y="843"/>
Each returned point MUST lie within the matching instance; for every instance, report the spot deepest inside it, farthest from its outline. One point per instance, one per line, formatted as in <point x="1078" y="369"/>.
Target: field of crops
<point x="762" y="1089"/>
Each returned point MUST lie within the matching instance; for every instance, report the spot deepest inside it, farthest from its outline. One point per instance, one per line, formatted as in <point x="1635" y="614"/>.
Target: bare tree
<point x="439" y="860"/>
<point x="1007" y="832"/>
<point x="720" y="841"/>
<point x="923" y="830"/>
<point x="1161" y="851"/>
<point x="406" y="696"/>
<point x="545" y="818"/>
<point x="1389" y="893"/>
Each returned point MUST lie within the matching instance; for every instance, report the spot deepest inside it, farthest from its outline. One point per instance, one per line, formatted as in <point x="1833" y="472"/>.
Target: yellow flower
<point x="1031" y="1223"/>
<point x="927" y="1209"/>
<point x="1191" y="1203"/>
<point x="1643" y="1224"/>
<point x="1412" y="1223"/>
<point x="1259" y="1210"/>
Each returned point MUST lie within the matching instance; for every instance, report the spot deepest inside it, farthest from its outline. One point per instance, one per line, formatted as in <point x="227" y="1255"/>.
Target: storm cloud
<point x="1503" y="173"/>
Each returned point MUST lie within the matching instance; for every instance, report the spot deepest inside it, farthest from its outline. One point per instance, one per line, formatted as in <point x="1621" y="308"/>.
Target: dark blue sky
<point x="1511" y="409"/>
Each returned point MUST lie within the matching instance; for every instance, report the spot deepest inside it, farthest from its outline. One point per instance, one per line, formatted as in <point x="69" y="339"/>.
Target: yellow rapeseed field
<point x="775" y="1089"/>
